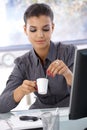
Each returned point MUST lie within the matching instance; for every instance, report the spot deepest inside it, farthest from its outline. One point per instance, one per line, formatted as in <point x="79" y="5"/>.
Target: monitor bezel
<point x="72" y="115"/>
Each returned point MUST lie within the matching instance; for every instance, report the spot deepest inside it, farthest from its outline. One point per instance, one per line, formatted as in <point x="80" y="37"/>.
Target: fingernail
<point x="36" y="88"/>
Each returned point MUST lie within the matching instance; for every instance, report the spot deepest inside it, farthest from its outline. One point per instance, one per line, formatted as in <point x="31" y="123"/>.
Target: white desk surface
<point x="64" y="122"/>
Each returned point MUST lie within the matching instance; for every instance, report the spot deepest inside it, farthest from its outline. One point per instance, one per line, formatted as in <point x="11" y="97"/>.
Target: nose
<point x="40" y="33"/>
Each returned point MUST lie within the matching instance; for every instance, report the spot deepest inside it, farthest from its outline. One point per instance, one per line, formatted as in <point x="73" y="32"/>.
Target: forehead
<point x="39" y="21"/>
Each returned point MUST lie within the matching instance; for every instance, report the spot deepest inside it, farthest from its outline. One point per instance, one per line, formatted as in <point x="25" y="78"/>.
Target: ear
<point x="25" y="29"/>
<point x="53" y="26"/>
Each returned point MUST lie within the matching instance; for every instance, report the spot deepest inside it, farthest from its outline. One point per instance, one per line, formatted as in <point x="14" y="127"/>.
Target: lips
<point x="40" y="41"/>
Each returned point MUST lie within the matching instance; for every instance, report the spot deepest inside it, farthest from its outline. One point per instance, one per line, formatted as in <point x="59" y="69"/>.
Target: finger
<point x="53" y="70"/>
<point x="59" y="66"/>
<point x="25" y="88"/>
<point x="63" y="70"/>
<point x="52" y="67"/>
<point x="57" y="70"/>
<point x="28" y="88"/>
<point x="30" y="83"/>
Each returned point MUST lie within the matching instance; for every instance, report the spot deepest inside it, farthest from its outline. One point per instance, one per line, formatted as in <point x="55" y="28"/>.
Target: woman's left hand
<point x="59" y="67"/>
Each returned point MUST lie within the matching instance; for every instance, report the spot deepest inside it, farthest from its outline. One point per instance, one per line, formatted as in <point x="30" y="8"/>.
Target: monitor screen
<point x="78" y="99"/>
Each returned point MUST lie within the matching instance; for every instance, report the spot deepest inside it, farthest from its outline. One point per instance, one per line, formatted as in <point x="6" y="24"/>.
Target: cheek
<point x="48" y="35"/>
<point x="30" y="35"/>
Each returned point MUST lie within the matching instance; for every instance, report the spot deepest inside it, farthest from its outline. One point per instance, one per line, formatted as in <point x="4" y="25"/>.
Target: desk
<point x="64" y="122"/>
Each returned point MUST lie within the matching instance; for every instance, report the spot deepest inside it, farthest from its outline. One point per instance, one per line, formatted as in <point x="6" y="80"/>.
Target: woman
<point x="46" y="58"/>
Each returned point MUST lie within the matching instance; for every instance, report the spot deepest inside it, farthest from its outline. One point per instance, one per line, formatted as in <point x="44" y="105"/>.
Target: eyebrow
<point x="43" y="26"/>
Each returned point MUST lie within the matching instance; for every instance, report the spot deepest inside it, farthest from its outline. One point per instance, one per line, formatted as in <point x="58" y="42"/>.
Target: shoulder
<point x="62" y="47"/>
<point x="64" y="51"/>
<point x="24" y="58"/>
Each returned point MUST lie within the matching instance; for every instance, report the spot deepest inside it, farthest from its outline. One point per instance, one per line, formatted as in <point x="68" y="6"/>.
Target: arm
<point x="7" y="102"/>
<point x="64" y="66"/>
<point x="15" y="90"/>
<point x="24" y="89"/>
<point x="59" y="67"/>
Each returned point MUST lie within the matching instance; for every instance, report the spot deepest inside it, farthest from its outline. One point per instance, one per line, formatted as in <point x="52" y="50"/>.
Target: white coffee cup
<point x="42" y="85"/>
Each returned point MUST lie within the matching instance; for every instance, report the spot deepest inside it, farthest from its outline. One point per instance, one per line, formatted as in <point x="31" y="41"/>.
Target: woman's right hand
<point x="25" y="88"/>
<point x="28" y="86"/>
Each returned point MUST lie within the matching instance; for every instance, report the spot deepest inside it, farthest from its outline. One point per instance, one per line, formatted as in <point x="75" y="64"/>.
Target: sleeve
<point x="69" y="58"/>
<point x="16" y="78"/>
<point x="67" y="54"/>
<point x="70" y="54"/>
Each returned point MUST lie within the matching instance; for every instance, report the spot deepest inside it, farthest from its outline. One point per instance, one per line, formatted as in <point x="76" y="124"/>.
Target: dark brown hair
<point x="38" y="9"/>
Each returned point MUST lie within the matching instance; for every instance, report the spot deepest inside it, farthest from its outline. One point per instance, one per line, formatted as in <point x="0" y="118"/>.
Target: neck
<point x="42" y="53"/>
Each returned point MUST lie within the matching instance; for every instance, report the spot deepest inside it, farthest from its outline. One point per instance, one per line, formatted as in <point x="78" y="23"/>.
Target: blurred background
<point x="70" y="18"/>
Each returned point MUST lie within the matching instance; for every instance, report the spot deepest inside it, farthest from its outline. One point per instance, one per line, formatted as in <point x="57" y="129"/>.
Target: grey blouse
<point x="29" y="67"/>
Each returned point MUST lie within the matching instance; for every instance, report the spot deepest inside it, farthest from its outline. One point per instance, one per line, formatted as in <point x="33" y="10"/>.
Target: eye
<point x="33" y="30"/>
<point x="46" y="29"/>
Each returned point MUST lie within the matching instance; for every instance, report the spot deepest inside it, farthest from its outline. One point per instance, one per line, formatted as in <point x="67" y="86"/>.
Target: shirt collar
<point x="35" y="57"/>
<point x="51" y="55"/>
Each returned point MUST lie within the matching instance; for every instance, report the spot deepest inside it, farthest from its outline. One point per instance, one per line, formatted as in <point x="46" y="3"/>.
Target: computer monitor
<point x="78" y="99"/>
